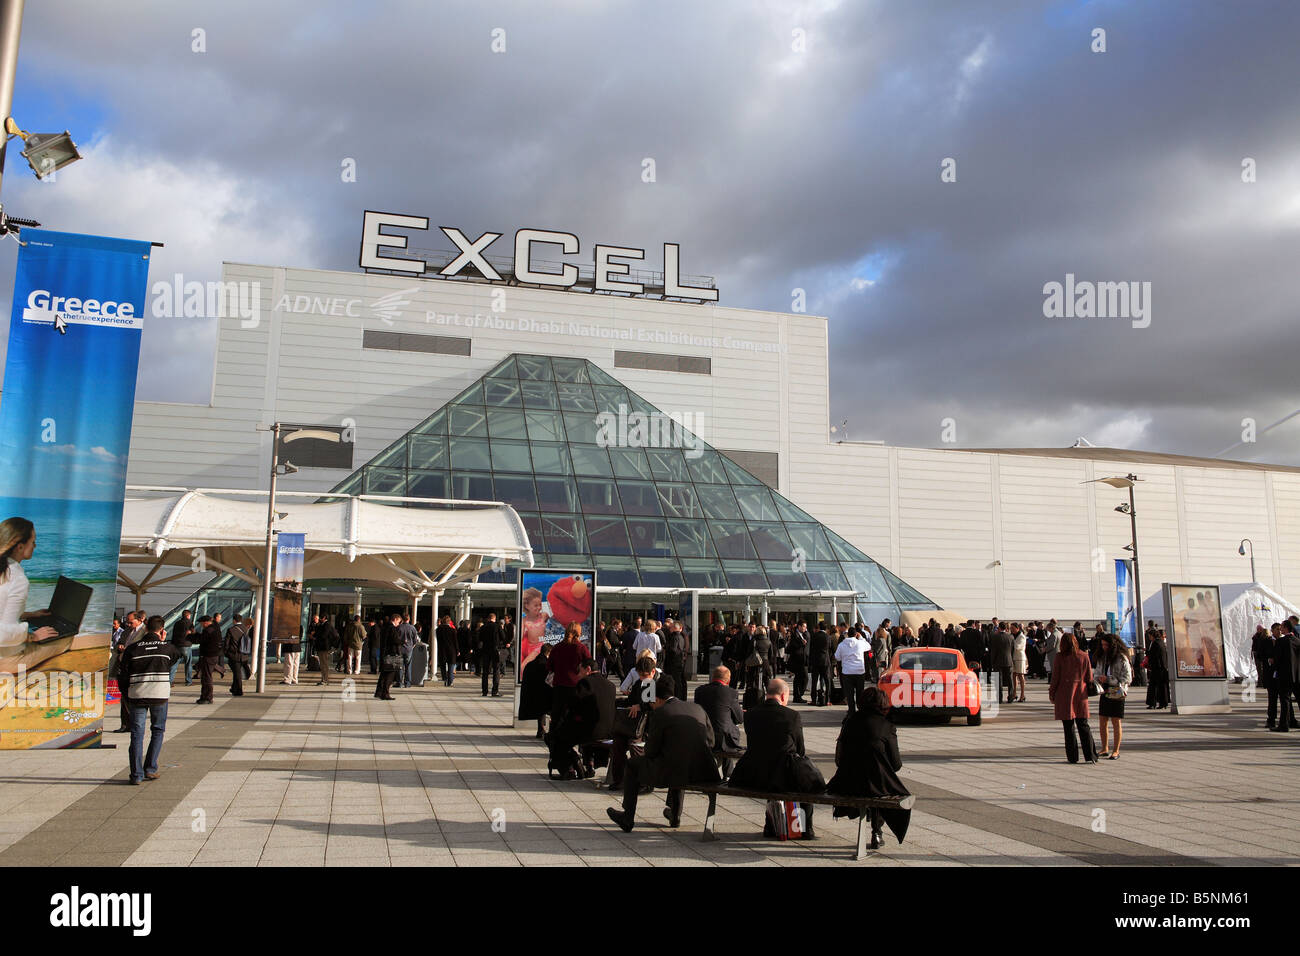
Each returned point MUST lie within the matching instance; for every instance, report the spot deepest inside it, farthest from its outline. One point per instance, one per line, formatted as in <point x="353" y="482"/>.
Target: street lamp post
<point x="11" y="26"/>
<point x="265" y="630"/>
<point x="1128" y="481"/>
<point x="1241" y="549"/>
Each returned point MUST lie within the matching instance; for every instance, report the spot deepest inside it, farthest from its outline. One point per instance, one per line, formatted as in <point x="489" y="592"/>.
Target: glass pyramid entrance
<point x="558" y="439"/>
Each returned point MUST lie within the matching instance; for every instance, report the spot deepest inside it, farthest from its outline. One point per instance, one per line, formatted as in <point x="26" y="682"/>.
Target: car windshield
<point x="927" y="660"/>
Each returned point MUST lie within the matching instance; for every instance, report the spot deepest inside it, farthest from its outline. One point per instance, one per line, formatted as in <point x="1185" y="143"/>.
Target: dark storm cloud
<point x="778" y="169"/>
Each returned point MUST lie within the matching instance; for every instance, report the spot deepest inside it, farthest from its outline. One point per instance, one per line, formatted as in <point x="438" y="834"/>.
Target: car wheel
<point x="974" y="720"/>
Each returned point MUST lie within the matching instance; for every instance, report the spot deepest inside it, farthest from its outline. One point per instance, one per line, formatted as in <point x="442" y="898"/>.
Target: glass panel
<point x="843" y="550"/>
<point x="590" y="460"/>
<point x="435" y="424"/>
<point x="351" y="485"/>
<point x="732" y="539"/>
<point x="468" y="421"/>
<point x="511" y="456"/>
<point x="564" y="534"/>
<point x="756" y="504"/>
<point x="505" y="370"/>
<point x="639" y="498"/>
<point x="544" y="425"/>
<point x="780" y="574"/>
<point x="394" y="456"/>
<point x="501" y="394"/>
<point x="385" y="481"/>
<point x="534" y="367"/>
<point x="600" y="377"/>
<point x="471" y="486"/>
<point x="658" y="573"/>
<point x="906" y="594"/>
<point x="691" y="538"/>
<point x="707" y="467"/>
<point x="718" y="501"/>
<point x="607" y="535"/>
<point x="551" y="460"/>
<point x="617" y="572"/>
<point x="533" y="525"/>
<point x="630" y="462"/>
<point x="679" y="501"/>
<point x="599" y="496"/>
<point x="539" y="394"/>
<point x="667" y="464"/>
<point x="745" y="574"/>
<point x="516" y="491"/>
<point x="428" y="451"/>
<point x="556" y="494"/>
<point x="791" y="513"/>
<point x="738" y="475"/>
<point x="569" y="369"/>
<point x="576" y="398"/>
<point x="582" y="427"/>
<point x="428" y="484"/>
<point x="470" y="454"/>
<point x="649" y="536"/>
<point x="608" y="398"/>
<point x="472" y="395"/>
<point x="873" y="614"/>
<point x="701" y="574"/>
<point x="865" y="577"/>
<point x="812" y="540"/>
<point x="771" y="540"/>
<point x="827" y="575"/>
<point x="506" y="423"/>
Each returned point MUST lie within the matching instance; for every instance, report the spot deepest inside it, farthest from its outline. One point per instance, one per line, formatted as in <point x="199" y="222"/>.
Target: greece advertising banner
<point x="65" y="430"/>
<point x="286" y="604"/>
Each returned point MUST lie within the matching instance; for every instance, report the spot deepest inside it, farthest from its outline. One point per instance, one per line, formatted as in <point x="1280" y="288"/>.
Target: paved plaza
<point x="310" y="776"/>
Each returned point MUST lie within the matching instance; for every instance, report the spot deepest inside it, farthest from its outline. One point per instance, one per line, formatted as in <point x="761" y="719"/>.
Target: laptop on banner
<point x="67" y="608"/>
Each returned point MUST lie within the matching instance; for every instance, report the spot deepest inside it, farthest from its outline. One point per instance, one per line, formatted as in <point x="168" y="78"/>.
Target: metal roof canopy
<point x="364" y="538"/>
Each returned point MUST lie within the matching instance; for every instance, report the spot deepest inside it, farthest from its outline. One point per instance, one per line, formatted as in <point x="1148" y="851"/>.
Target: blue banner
<point x="1126" y="609"/>
<point x="286" y="602"/>
<point x="65" y="431"/>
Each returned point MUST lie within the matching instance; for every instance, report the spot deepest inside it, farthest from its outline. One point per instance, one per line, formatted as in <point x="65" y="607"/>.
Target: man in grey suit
<point x="678" y="753"/>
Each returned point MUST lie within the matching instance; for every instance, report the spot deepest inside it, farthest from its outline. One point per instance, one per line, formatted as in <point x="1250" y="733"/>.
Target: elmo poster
<point x="549" y="601"/>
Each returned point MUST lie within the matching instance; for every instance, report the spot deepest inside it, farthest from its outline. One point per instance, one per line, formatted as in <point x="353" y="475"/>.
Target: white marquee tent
<point x="1244" y="606"/>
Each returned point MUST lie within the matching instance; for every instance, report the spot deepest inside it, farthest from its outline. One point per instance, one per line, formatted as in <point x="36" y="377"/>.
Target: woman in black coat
<point x="534" y="692"/>
<point x="867" y="761"/>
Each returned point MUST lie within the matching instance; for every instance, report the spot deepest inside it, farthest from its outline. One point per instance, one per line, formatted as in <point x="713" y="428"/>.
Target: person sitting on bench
<point x="678" y="753"/>
<point x="867" y="759"/>
<point x="775" y="761"/>
<point x="721" y="702"/>
<point x="589" y="718"/>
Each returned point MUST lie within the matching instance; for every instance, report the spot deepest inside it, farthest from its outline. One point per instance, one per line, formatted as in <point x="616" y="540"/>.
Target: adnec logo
<point x="386" y="308"/>
<point x="45" y="308"/>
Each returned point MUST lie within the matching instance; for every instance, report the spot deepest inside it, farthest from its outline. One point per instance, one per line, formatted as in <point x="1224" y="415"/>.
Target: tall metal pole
<point x="1140" y="624"/>
<point x="11" y="26"/>
<point x="264" y="637"/>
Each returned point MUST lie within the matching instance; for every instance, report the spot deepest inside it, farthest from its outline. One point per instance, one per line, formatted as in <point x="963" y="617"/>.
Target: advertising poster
<point x="65" y="431"/>
<point x="286" y="593"/>
<point x="549" y="601"/>
<point x="1197" y="632"/>
<point x="1125" y="607"/>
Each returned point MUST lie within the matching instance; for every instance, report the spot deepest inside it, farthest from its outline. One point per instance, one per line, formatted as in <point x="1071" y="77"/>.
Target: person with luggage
<point x="1068" y="692"/>
<point x="390" y="661"/>
<point x="239" y="652"/>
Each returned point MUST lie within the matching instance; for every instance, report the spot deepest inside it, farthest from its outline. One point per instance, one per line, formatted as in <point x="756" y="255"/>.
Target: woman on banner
<point x="17" y="544"/>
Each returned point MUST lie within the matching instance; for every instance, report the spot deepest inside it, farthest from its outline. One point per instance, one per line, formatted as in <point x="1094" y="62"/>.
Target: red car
<point x="932" y="680"/>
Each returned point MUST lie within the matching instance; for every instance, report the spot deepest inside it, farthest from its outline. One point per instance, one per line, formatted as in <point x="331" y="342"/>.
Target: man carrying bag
<point x="239" y="650"/>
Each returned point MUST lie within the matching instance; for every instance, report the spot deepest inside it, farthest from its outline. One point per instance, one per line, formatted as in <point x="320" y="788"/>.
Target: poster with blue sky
<point x="65" y="432"/>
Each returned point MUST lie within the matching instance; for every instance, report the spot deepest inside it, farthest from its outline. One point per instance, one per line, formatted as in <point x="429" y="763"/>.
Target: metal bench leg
<point x="710" y="818"/>
<point x="864" y="825"/>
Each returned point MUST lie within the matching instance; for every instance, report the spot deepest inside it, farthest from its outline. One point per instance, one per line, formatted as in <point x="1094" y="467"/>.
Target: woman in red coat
<point x="1068" y="692"/>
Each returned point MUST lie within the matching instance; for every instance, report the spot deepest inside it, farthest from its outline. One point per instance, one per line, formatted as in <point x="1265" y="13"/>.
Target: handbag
<point x="392" y="662"/>
<point x="1094" y="688"/>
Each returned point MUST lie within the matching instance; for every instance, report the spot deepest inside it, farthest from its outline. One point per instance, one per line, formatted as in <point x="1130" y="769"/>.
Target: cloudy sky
<point x="796" y="145"/>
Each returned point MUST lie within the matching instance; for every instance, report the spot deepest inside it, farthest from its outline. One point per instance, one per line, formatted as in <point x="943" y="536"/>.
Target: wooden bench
<point x="713" y="791"/>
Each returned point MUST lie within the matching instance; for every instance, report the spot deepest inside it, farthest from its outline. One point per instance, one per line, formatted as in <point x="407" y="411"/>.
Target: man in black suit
<point x="1001" y="654"/>
<point x="971" y="644"/>
<point x="489" y="639"/>
<point x="678" y="753"/>
<point x="448" y="650"/>
<point x="1286" y="675"/>
<point x="721" y="702"/>
<point x="819" y="663"/>
<point x="774" y="733"/>
<point x="589" y="718"/>
<point x="797" y="657"/>
<point x="211" y="644"/>
<point x="675" y="652"/>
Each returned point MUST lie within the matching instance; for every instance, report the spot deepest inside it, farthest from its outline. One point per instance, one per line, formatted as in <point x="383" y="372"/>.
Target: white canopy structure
<point x="1244" y="605"/>
<point x="416" y="545"/>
